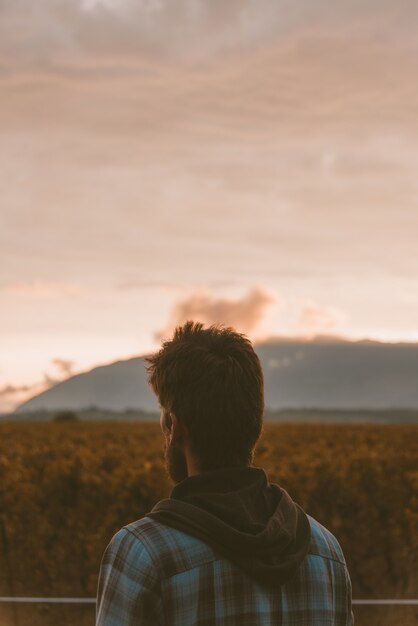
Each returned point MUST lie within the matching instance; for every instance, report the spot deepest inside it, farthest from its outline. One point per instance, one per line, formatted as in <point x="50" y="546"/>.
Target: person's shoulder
<point x="324" y="543"/>
<point x="171" y="551"/>
<point x="124" y="542"/>
<point x="125" y="553"/>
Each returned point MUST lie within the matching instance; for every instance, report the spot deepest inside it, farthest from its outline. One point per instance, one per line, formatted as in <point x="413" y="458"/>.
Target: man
<point x="227" y="547"/>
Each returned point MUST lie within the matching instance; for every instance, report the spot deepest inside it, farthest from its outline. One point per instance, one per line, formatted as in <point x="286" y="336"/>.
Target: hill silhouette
<point x="326" y="373"/>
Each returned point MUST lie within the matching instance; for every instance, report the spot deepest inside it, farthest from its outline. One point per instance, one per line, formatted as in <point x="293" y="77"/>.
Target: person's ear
<point x="166" y="422"/>
<point x="176" y="429"/>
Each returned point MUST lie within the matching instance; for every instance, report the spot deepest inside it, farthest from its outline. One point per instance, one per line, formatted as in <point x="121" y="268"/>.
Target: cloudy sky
<point x="249" y="161"/>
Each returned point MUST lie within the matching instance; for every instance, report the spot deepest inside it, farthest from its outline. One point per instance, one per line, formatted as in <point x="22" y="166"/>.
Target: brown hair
<point x="211" y="378"/>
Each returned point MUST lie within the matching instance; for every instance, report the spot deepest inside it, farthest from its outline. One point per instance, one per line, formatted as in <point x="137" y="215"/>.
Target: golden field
<point x="65" y="488"/>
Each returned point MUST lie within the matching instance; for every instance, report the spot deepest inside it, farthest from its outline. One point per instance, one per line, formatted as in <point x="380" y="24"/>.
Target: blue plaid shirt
<point x="152" y="574"/>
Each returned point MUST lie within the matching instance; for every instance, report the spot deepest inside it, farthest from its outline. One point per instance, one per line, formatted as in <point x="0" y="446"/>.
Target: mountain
<point x="119" y="386"/>
<point x="326" y="372"/>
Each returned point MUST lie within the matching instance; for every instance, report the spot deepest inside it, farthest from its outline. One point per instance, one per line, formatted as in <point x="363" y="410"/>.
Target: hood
<point x="253" y="523"/>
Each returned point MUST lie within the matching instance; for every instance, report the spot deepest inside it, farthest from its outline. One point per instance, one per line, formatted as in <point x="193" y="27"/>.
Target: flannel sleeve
<point x="350" y="615"/>
<point x="128" y="585"/>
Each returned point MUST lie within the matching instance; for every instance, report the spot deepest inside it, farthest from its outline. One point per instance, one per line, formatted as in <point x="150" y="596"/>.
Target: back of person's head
<point x="212" y="380"/>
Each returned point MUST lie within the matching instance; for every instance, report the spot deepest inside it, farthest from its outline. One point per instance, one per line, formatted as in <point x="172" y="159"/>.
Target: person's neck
<point x="219" y="480"/>
<point x="192" y="465"/>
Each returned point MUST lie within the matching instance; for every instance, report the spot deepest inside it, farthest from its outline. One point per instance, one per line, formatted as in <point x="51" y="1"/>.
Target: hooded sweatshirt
<point x="253" y="523"/>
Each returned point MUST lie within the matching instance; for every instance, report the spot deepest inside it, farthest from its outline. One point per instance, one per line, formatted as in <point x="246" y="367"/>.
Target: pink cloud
<point x="317" y="319"/>
<point x="65" y="366"/>
<point x="244" y="314"/>
<point x="41" y="289"/>
<point x="11" y="390"/>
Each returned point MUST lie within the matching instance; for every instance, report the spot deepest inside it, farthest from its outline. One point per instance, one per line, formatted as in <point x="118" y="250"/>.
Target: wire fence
<point x="40" y="600"/>
<point x="14" y="600"/>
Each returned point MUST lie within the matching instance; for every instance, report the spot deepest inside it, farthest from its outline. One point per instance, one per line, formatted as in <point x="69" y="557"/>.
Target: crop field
<point x="65" y="488"/>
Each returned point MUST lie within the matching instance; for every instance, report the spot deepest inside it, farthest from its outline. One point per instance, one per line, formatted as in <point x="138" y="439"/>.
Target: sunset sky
<point x="253" y="162"/>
